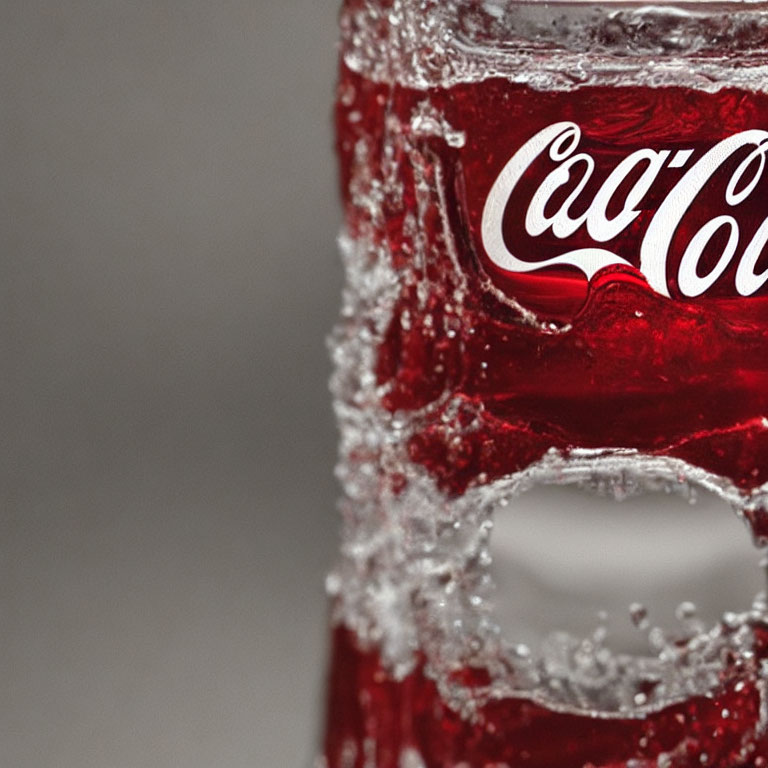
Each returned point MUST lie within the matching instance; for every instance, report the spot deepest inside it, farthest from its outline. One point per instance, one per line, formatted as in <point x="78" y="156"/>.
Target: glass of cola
<point x="556" y="275"/>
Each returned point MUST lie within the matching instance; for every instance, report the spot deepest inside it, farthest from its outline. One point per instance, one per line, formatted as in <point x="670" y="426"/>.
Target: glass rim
<point x="563" y="44"/>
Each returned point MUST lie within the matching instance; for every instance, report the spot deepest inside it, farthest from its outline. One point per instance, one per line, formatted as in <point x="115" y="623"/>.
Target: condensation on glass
<point x="556" y="276"/>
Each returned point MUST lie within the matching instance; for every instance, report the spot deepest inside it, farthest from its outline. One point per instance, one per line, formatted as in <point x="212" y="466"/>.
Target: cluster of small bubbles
<point x="431" y="43"/>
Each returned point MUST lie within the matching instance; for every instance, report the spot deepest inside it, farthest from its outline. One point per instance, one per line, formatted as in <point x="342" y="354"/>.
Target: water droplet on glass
<point x="639" y="615"/>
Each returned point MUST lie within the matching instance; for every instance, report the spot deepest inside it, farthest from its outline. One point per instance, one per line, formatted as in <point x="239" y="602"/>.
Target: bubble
<point x="639" y="615"/>
<point x="686" y="611"/>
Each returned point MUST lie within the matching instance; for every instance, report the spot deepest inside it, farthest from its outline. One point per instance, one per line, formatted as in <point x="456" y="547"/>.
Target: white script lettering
<point x="561" y="140"/>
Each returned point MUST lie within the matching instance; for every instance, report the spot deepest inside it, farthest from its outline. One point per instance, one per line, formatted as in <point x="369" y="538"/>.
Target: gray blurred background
<point x="169" y="273"/>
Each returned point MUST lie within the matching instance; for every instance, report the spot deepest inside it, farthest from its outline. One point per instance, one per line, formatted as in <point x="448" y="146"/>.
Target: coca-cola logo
<point x="551" y="193"/>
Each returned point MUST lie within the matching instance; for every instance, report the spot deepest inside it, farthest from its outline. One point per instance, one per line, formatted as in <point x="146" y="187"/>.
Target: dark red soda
<point x="367" y="707"/>
<point x="662" y="354"/>
<point x="680" y="378"/>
